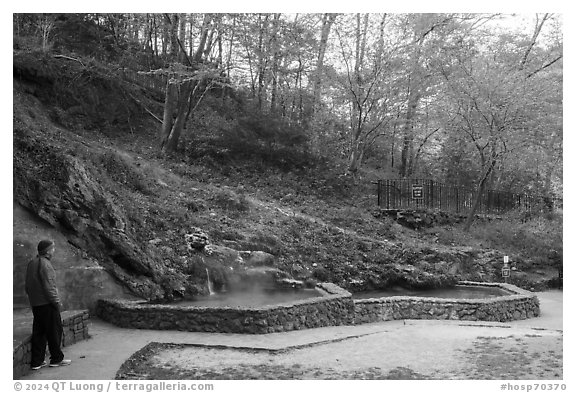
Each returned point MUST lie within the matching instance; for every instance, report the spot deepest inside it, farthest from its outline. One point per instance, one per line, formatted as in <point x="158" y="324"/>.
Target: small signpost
<point x="506" y="269"/>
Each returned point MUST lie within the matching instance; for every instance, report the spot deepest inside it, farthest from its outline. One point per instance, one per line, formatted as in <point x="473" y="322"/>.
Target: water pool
<point x="250" y="298"/>
<point x="457" y="292"/>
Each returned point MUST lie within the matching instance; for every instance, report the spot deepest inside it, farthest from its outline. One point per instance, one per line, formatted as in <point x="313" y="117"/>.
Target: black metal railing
<point x="430" y="194"/>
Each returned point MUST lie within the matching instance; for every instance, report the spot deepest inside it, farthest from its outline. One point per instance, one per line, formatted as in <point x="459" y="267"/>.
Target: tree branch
<point x="535" y="35"/>
<point x="69" y="58"/>
<point x="544" y="67"/>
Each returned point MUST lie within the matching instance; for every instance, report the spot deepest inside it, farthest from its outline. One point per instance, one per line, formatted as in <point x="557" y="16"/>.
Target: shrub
<point x="533" y="239"/>
<point x="121" y="170"/>
<point x="321" y="274"/>
<point x="266" y="242"/>
<point x="226" y="134"/>
<point x="230" y="201"/>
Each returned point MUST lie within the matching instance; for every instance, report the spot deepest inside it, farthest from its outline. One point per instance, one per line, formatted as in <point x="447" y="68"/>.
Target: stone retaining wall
<point x="75" y="325"/>
<point x="334" y="307"/>
<point x="519" y="304"/>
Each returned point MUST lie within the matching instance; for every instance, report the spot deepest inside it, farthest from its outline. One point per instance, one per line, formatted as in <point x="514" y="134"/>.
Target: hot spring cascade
<point x="209" y="283"/>
<point x="325" y="305"/>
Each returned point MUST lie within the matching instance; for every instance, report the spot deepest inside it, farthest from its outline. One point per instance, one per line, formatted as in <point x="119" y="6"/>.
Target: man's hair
<point x="43" y="246"/>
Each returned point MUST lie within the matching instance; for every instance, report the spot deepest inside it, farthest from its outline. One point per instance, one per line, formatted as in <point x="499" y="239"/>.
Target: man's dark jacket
<point x="41" y="282"/>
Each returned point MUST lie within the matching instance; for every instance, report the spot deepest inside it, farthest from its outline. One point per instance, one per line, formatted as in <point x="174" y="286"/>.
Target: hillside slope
<point x="85" y="162"/>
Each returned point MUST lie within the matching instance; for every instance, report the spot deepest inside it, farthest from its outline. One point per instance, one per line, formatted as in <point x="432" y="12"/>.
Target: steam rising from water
<point x="254" y="296"/>
<point x="209" y="283"/>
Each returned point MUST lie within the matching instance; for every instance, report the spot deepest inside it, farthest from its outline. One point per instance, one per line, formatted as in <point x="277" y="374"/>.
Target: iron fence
<point x="430" y="194"/>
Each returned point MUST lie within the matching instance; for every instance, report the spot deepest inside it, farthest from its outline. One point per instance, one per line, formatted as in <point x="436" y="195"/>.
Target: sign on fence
<point x="417" y="191"/>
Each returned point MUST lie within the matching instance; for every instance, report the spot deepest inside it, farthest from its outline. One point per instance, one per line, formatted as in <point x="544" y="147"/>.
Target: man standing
<point x="45" y="303"/>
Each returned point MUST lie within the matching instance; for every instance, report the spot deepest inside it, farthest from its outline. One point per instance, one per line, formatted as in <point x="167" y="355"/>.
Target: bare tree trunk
<point x="172" y="135"/>
<point x="191" y="20"/>
<point x="171" y="141"/>
<point x="167" y="121"/>
<point x="356" y="157"/>
<point x="261" y="59"/>
<point x="357" y="121"/>
<point x="408" y="130"/>
<point x="380" y="57"/>
<point x="537" y="30"/>
<point x="148" y="35"/>
<point x="480" y="191"/>
<point x="46" y="25"/>
<point x="135" y="27"/>
<point x="173" y="21"/>
<point x="327" y="22"/>
<point x="182" y="36"/>
<point x="220" y="49"/>
<point x="165" y="37"/>
<point x="182" y="101"/>
<point x="231" y="44"/>
<point x="155" y="35"/>
<point x="203" y="37"/>
<point x="293" y="112"/>
<point x="275" y="59"/>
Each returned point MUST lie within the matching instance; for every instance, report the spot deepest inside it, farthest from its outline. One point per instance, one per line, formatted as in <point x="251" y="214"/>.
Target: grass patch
<point x="231" y="202"/>
<point x="122" y="170"/>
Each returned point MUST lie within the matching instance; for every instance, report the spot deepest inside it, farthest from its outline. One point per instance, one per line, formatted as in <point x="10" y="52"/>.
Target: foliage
<point x="231" y="201"/>
<point x="122" y="170"/>
<point x="386" y="89"/>
<point x="531" y="239"/>
<point x="80" y="91"/>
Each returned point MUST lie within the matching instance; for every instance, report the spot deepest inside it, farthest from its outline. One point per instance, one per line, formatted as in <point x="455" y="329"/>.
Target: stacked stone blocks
<point x="75" y="326"/>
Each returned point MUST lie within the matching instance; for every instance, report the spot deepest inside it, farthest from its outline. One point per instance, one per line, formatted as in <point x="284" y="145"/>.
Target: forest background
<point x="302" y="112"/>
<point x="464" y="99"/>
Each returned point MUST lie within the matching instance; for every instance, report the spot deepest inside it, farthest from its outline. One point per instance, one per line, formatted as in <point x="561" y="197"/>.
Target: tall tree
<point x="428" y="33"/>
<point x="182" y="38"/>
<point x="262" y="57"/>
<point x="275" y="49"/>
<point x="370" y="89"/>
<point x="185" y="89"/>
<point x="327" y="22"/>
<point x="495" y="104"/>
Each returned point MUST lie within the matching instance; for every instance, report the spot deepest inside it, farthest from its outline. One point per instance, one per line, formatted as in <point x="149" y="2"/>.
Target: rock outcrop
<point x="61" y="190"/>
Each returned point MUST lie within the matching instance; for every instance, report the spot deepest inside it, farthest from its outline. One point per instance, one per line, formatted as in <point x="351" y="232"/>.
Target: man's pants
<point x="47" y="327"/>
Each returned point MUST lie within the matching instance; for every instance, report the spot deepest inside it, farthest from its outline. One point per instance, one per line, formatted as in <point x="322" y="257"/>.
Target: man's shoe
<point x="64" y="362"/>
<point x="44" y="364"/>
